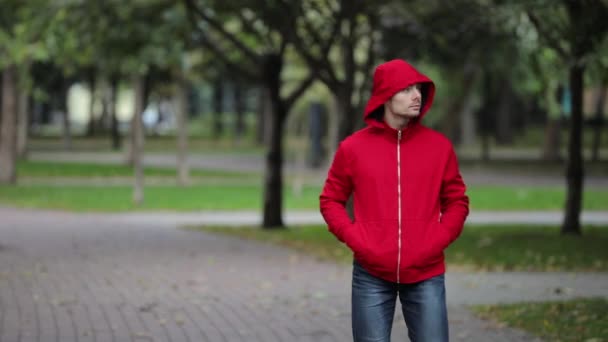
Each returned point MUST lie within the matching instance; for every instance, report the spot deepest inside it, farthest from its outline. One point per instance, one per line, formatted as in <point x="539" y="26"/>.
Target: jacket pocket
<point x="432" y="250"/>
<point x="354" y="240"/>
<point x="422" y="243"/>
<point x="378" y="244"/>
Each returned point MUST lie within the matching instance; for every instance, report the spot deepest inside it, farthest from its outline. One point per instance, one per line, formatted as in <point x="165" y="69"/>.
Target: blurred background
<point x="259" y="93"/>
<point x="205" y="111"/>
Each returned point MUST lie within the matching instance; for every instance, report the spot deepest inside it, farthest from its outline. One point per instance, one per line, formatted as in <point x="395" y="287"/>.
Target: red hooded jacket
<point x="409" y="197"/>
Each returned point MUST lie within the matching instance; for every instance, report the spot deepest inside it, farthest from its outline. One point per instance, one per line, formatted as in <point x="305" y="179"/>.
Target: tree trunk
<point x="261" y="115"/>
<point x="8" y="136"/>
<point x="63" y="107"/>
<point x="552" y="143"/>
<point x="273" y="181"/>
<point x="239" y="109"/>
<point x="599" y="123"/>
<point x="575" y="172"/>
<point x="345" y="114"/>
<point x="138" y="140"/>
<point x="92" y="121"/>
<point x="218" y="107"/>
<point x="264" y="114"/>
<point x="182" y="133"/>
<point x="23" y="123"/>
<point x="452" y="121"/>
<point x="485" y="119"/>
<point x="504" y="125"/>
<point x="116" y="138"/>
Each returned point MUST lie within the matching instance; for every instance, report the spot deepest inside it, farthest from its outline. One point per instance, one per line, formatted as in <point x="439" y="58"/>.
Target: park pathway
<point x="136" y="277"/>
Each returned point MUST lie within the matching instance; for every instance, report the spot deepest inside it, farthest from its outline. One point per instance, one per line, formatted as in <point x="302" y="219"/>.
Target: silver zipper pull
<point x="399" y="135"/>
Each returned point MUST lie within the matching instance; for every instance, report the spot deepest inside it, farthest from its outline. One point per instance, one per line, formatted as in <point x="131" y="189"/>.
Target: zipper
<point x="399" y="201"/>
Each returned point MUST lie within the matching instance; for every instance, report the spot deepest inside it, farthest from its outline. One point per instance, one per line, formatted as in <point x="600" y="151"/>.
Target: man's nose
<point x="417" y="93"/>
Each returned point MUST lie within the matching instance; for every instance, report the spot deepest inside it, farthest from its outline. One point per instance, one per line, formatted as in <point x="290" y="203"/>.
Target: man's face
<point x="407" y="102"/>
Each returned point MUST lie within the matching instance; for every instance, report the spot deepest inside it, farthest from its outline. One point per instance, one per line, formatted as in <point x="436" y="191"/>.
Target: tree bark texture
<point x="138" y="141"/>
<point x="574" y="170"/>
<point x="182" y="134"/>
<point x="8" y="132"/>
<point x="273" y="181"/>
<point x="23" y="123"/>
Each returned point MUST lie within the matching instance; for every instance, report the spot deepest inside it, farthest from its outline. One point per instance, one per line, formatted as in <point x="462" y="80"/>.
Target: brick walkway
<point x="79" y="277"/>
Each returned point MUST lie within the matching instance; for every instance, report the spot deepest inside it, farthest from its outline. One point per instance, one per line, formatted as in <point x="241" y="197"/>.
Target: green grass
<point x="573" y="320"/>
<point x="40" y="169"/>
<point x="240" y="191"/>
<point x="490" y="248"/>
<point x="118" y="198"/>
<point x="531" y="198"/>
<point x="524" y="248"/>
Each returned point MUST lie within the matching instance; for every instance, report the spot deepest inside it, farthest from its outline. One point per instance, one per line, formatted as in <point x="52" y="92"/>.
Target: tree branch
<point x="248" y="26"/>
<point x="552" y="41"/>
<point x="192" y="8"/>
<point x="366" y="71"/>
<point x="230" y="65"/>
<point x="302" y="87"/>
<point x="319" y="63"/>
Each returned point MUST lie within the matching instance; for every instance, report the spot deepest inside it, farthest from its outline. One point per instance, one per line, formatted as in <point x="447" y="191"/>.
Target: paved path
<point x="93" y="277"/>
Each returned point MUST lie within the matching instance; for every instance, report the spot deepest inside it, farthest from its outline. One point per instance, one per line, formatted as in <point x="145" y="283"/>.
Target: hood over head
<point x="390" y="78"/>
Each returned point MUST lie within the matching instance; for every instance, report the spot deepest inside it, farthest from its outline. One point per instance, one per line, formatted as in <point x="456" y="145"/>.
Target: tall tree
<point x="182" y="131"/>
<point x="8" y="136"/>
<point x="471" y="41"/>
<point x="247" y="36"/>
<point x="574" y="29"/>
<point x="23" y="30"/>
<point x="338" y="39"/>
<point x="138" y="139"/>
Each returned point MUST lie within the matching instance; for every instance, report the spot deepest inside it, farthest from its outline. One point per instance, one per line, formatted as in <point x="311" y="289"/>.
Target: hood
<point x="390" y="78"/>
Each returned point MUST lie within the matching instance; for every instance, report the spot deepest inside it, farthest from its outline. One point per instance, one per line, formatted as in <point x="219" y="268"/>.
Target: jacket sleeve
<point x="336" y="191"/>
<point x="454" y="202"/>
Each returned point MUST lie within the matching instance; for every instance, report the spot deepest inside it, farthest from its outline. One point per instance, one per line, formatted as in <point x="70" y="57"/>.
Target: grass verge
<point x="573" y="320"/>
<point x="489" y="248"/>
<point x="234" y="191"/>
<point x="119" y="198"/>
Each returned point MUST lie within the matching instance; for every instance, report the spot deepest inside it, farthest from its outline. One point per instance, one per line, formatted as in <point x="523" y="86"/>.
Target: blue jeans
<point x="373" y="308"/>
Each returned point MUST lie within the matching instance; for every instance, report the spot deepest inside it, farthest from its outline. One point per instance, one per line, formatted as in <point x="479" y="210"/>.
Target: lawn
<point x="573" y="320"/>
<point x="243" y="192"/>
<point x="118" y="198"/>
<point x="490" y="248"/>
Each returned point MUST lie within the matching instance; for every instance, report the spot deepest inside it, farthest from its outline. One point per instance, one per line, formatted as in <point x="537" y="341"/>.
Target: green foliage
<point x="23" y="28"/>
<point x="490" y="248"/>
<point x="561" y="321"/>
<point x="120" y="37"/>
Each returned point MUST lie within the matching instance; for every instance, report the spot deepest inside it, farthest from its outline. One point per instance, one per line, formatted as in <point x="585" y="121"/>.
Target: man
<point x="409" y="205"/>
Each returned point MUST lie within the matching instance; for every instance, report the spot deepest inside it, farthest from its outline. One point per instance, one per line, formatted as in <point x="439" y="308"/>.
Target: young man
<point x="409" y="205"/>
